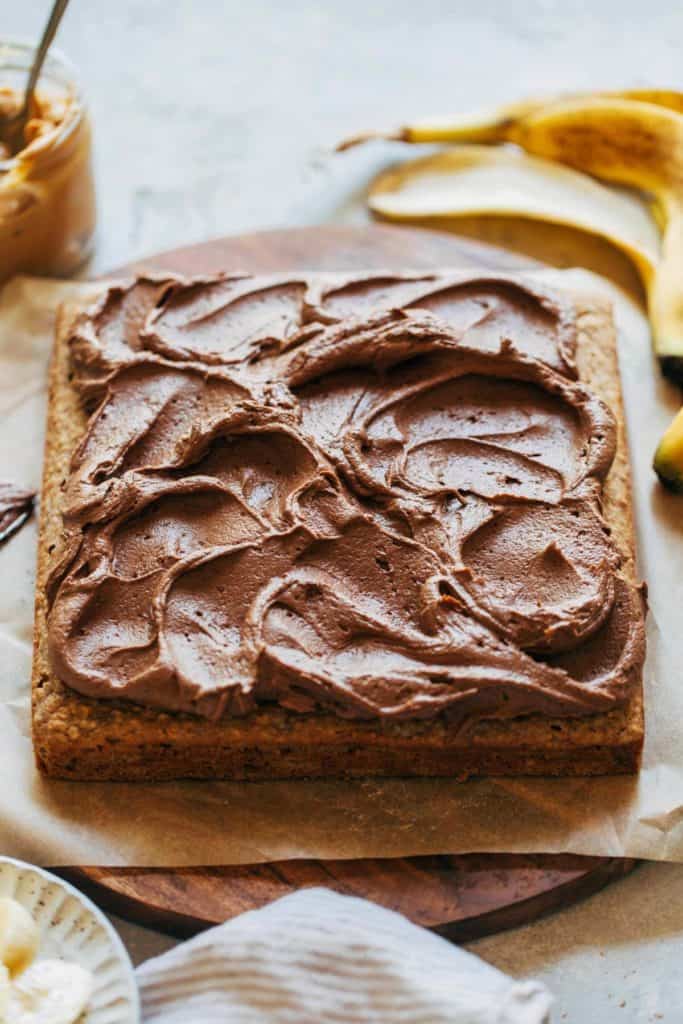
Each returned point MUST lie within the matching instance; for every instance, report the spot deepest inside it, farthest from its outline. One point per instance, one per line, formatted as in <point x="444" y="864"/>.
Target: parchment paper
<point x="57" y="823"/>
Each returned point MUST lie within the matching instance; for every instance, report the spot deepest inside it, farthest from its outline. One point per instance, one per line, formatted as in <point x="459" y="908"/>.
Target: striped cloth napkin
<point x="316" y="956"/>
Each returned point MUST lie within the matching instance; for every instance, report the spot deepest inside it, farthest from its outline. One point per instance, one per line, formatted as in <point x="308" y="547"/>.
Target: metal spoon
<point x="12" y="128"/>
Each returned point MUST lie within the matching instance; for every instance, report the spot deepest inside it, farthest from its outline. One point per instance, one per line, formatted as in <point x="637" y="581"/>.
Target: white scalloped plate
<point x="72" y="928"/>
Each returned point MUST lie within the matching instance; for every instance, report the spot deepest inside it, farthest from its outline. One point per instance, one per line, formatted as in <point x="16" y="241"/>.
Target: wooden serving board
<point x="462" y="897"/>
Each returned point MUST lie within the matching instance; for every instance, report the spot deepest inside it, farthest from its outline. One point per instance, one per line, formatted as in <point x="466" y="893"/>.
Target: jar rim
<point x="17" y="53"/>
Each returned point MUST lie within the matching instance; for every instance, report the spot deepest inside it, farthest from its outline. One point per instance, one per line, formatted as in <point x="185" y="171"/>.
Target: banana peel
<point x="631" y="138"/>
<point x="475" y="180"/>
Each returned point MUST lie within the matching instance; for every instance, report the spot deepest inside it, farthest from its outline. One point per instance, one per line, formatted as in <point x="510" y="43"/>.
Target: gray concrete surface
<point x="214" y="117"/>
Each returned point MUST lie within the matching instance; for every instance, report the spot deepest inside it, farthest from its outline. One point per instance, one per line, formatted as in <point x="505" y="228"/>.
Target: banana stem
<point x="485" y="126"/>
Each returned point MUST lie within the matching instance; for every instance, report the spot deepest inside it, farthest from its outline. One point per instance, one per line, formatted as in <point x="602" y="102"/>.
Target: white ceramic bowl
<point x="72" y="928"/>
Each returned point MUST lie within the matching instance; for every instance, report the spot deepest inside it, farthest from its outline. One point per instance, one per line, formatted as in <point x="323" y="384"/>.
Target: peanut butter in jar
<point x="47" y="195"/>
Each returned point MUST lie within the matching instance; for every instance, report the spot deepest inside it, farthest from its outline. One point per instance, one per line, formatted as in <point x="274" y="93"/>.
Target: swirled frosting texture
<point x="379" y="496"/>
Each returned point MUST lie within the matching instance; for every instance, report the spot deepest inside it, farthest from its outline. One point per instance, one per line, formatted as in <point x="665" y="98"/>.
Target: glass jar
<point x="47" y="194"/>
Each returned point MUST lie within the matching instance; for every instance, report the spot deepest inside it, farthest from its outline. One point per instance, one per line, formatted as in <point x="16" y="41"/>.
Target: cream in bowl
<point x="36" y="991"/>
<point x="61" y="962"/>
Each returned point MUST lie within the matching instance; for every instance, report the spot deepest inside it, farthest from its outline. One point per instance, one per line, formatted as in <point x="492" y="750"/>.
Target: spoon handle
<point x="56" y="13"/>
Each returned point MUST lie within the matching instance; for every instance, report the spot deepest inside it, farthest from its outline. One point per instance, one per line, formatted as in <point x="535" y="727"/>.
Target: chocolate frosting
<point x="377" y="495"/>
